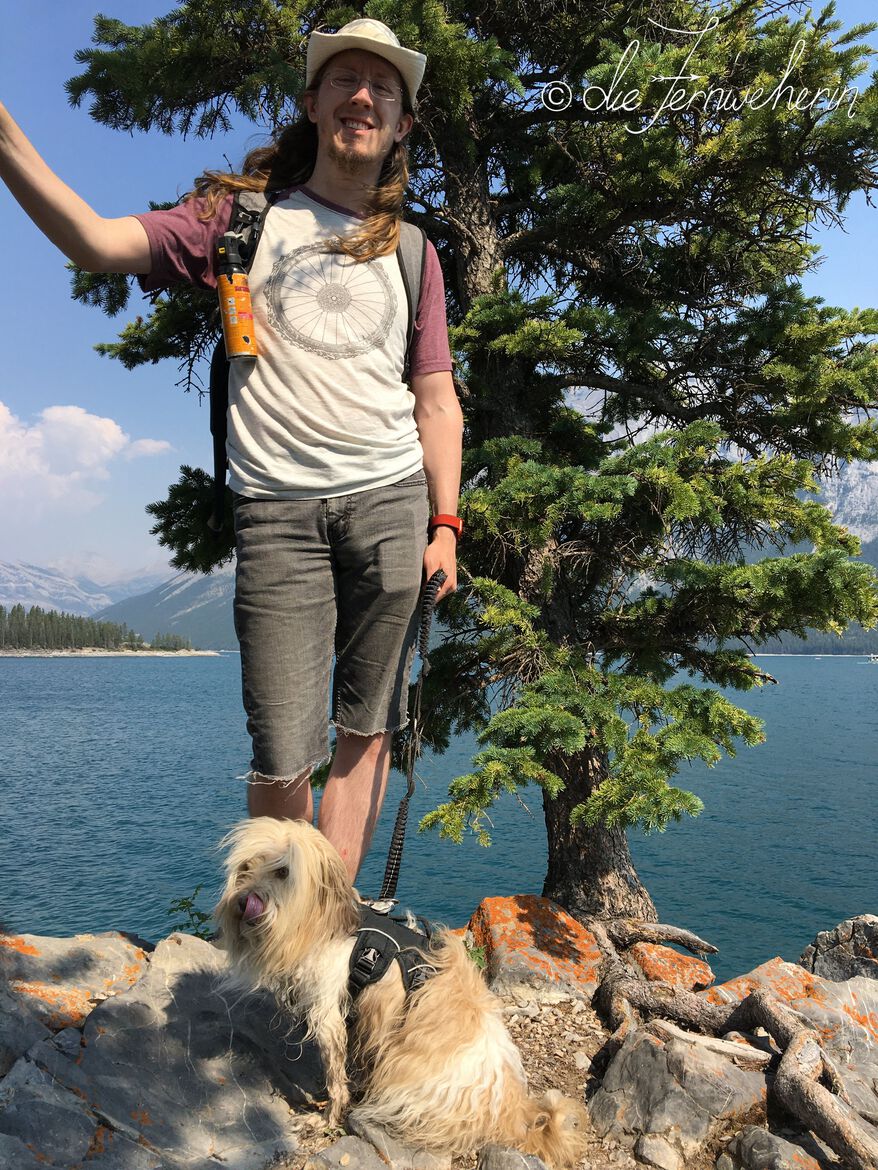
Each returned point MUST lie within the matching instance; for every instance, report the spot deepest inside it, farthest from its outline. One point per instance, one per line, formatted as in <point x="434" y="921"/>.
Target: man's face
<point x="355" y="129"/>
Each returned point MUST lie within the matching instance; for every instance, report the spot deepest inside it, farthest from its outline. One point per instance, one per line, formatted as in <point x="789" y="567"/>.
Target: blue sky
<point x="85" y="444"/>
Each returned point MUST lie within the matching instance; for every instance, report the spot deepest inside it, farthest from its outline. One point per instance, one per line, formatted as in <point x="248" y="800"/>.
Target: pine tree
<point x="649" y="395"/>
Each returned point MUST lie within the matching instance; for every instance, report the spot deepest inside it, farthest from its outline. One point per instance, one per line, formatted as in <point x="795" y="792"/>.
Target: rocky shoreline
<point x="118" y="1054"/>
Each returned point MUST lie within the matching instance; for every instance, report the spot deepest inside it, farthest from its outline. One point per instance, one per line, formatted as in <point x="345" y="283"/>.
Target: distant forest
<point x="46" y="629"/>
<point x="855" y="640"/>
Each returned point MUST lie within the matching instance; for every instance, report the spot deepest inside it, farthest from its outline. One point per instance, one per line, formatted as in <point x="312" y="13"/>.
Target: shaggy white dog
<point x="435" y="1068"/>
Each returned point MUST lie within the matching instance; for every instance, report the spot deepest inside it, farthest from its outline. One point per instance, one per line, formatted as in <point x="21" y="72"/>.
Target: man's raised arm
<point x="88" y="239"/>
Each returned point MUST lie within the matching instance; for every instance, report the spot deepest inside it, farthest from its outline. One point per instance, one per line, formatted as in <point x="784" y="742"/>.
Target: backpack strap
<point x="249" y="209"/>
<point x="411" y="254"/>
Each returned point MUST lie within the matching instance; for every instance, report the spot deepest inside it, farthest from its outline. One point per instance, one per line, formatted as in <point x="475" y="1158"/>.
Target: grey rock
<point x="529" y="1010"/>
<point x="59" y="980"/>
<point x="47" y="1119"/>
<point x="175" y="1072"/>
<point x="758" y="1149"/>
<point x="848" y="950"/>
<point x="844" y="1015"/>
<point x="348" y="1153"/>
<point x="656" y="1151"/>
<point x="659" y="1086"/>
<point x="504" y="1158"/>
<point x="19" y="1029"/>
<point x="14" y="1155"/>
<point x="666" y="1088"/>
<point x="399" y="1155"/>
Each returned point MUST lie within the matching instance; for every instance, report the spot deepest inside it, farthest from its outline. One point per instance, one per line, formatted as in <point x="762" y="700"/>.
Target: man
<point x="331" y="456"/>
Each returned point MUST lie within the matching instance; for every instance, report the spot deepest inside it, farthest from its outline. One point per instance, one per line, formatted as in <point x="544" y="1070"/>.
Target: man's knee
<point x="353" y="745"/>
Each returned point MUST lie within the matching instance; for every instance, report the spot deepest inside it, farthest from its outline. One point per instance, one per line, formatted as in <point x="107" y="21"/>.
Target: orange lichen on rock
<point x="57" y="1008"/>
<point x="126" y="978"/>
<point x="36" y="1153"/>
<point x="770" y="974"/>
<point x="141" y="1117"/>
<point x="103" y="1136"/>
<point x="14" y="943"/>
<point x="665" y="965"/>
<point x="532" y="939"/>
<point x="821" y="1001"/>
<point x="866" y="1020"/>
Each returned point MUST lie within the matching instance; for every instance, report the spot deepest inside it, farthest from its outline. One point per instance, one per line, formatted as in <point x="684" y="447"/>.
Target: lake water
<point x="120" y="780"/>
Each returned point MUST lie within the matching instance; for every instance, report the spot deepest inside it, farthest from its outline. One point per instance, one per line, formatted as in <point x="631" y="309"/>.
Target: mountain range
<point x="52" y="588"/>
<point x="200" y="608"/>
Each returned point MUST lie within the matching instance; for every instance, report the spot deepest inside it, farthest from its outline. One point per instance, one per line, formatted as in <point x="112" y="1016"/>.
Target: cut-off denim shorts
<point x="321" y="578"/>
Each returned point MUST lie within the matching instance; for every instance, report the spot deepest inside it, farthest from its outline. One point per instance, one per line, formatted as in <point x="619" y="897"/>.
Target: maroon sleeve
<point x="182" y="247"/>
<point x="429" y="350"/>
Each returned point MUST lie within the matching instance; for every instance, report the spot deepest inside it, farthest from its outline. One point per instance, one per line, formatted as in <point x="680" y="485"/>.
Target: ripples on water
<point x="120" y="780"/>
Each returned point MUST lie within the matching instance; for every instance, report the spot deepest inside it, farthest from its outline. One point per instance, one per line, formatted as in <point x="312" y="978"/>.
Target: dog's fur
<point x="436" y="1069"/>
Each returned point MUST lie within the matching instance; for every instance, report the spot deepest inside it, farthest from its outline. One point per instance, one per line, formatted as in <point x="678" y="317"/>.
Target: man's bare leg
<point x="353" y="795"/>
<point x="267" y="798"/>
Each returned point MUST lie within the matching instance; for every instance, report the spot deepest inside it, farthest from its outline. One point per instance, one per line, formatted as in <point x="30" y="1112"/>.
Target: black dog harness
<point x="382" y="940"/>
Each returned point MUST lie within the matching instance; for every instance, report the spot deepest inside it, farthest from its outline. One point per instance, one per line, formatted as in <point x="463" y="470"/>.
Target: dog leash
<point x="394" y="856"/>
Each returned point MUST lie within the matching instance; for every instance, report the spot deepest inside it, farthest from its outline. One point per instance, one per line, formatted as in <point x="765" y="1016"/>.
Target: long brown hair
<point x="289" y="159"/>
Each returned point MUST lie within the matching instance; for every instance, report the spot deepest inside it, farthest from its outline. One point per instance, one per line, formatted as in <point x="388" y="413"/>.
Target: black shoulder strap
<point x="249" y="209"/>
<point x="411" y="253"/>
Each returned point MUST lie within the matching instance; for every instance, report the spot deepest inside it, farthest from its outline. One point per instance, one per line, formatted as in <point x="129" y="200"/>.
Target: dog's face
<point x="287" y="891"/>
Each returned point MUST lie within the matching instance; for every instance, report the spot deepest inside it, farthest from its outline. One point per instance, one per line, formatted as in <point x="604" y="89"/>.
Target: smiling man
<point x="345" y="473"/>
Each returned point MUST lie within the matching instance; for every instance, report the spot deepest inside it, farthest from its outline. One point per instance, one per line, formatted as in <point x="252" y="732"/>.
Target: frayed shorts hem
<point x="367" y="734"/>
<point x="302" y="775"/>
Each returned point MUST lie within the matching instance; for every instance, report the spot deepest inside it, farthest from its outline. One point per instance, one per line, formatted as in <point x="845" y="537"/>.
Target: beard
<point x="348" y="161"/>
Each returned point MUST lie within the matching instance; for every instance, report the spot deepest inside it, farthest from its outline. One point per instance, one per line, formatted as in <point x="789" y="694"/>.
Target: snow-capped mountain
<point x="191" y="605"/>
<point x="51" y="588"/>
<point x="33" y="585"/>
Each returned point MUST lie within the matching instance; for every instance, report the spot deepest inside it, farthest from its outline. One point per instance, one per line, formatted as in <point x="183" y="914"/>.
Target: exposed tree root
<point x="806" y="1083"/>
<point x="625" y="932"/>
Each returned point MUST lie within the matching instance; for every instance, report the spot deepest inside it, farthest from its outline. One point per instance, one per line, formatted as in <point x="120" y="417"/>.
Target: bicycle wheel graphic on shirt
<point x="326" y="303"/>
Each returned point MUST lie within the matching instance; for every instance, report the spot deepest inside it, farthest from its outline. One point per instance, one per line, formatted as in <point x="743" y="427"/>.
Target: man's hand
<point x="441" y="553"/>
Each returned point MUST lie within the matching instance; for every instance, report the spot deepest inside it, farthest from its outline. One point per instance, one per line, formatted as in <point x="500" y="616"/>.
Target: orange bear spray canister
<point x="236" y="309"/>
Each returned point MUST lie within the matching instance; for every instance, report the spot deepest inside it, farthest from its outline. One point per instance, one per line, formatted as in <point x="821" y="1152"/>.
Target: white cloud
<point x="63" y="456"/>
<point x="147" y="447"/>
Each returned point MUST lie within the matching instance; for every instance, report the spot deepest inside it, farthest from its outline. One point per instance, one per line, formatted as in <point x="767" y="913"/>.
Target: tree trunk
<point x="590" y="870"/>
<point x="478" y="250"/>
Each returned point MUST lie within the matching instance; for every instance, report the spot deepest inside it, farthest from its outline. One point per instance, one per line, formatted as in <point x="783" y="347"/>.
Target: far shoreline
<point x="95" y="652"/>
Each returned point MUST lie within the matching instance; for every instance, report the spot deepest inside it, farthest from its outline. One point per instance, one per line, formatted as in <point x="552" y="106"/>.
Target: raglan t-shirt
<point x="323" y="411"/>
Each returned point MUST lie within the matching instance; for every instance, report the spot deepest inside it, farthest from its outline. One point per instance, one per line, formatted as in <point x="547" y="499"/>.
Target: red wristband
<point x="442" y="521"/>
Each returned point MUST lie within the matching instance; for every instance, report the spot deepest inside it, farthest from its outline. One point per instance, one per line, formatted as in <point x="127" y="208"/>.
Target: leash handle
<point x="394" y="855"/>
<point x="428" y="604"/>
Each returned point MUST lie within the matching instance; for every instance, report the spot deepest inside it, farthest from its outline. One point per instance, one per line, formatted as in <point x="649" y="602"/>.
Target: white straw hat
<point x="374" y="37"/>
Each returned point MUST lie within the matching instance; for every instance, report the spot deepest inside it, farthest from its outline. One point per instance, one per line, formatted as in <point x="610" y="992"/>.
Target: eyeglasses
<point x="349" y="82"/>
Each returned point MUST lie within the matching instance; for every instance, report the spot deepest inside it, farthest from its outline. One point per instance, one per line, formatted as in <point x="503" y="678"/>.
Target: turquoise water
<point x="120" y="780"/>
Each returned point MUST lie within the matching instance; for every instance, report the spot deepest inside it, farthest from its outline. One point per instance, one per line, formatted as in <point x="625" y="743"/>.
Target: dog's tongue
<point x="255" y="906"/>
